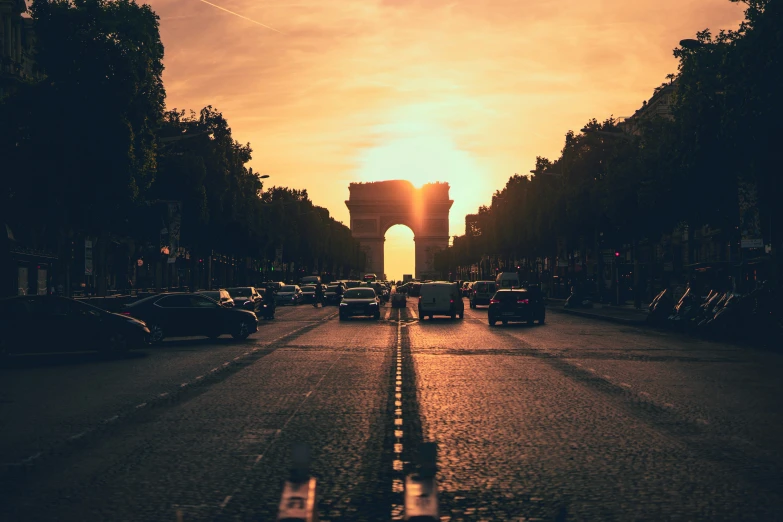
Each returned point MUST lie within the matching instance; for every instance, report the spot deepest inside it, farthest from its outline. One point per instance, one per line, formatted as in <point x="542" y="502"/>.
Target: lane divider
<point x="298" y="500"/>
<point x="421" y="489"/>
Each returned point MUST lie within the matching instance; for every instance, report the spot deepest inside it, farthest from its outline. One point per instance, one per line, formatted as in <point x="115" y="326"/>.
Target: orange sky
<point x="333" y="91"/>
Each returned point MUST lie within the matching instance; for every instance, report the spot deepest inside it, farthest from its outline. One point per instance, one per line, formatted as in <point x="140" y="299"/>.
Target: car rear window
<point x="510" y="297"/>
<point x="360" y="293"/>
<point x="485" y="287"/>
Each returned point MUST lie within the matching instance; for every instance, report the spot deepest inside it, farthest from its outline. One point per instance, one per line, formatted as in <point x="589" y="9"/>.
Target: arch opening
<point x="399" y="252"/>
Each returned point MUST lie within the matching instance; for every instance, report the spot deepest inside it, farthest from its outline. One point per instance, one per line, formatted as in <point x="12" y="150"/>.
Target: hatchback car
<point x="482" y="293"/>
<point x="516" y="305"/>
<point x="246" y="297"/>
<point x="289" y="295"/>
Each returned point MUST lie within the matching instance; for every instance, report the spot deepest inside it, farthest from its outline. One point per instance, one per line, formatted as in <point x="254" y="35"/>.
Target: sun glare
<point x="424" y="152"/>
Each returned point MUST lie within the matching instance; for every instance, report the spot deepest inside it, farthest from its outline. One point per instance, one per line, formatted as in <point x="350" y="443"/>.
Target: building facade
<point x="16" y="46"/>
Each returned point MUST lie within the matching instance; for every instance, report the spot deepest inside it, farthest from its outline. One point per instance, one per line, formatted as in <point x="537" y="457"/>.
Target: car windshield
<point x="308" y="288"/>
<point x="360" y="293"/>
<point x="240" y="292"/>
<point x="288" y="289"/>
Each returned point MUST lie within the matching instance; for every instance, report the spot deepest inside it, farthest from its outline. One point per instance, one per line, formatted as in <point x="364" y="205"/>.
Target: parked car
<point x="308" y="293"/>
<point x="482" y="293"/>
<point x="466" y="288"/>
<point x="186" y="314"/>
<point x="48" y="323"/>
<point x="360" y="302"/>
<point x="246" y="297"/>
<point x="414" y="290"/>
<point x="222" y="297"/>
<point x="517" y="305"/>
<point x="309" y="280"/>
<point x="289" y="295"/>
<point x="440" y="298"/>
<point x="333" y="294"/>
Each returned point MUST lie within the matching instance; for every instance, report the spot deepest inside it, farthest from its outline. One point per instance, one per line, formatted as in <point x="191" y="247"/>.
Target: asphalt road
<point x="573" y="420"/>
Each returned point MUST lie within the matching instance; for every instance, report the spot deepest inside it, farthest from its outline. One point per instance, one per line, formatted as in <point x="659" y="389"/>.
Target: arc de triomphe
<point x="376" y="207"/>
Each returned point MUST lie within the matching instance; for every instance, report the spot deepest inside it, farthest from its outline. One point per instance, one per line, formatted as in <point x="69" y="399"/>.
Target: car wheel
<point x="377" y="316"/>
<point x="214" y="335"/>
<point x="505" y="323"/>
<point x="118" y="343"/>
<point x="243" y="330"/>
<point x="542" y="319"/>
<point x="453" y="316"/>
<point x="492" y="322"/>
<point x="342" y="317"/>
<point x="461" y="315"/>
<point x="530" y="322"/>
<point x="156" y="333"/>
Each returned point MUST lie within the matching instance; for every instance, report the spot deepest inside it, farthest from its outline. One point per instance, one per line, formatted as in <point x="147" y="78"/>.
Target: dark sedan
<point x="246" y="297"/>
<point x="180" y="315"/>
<point x="308" y="293"/>
<point x="333" y="294"/>
<point x="516" y="305"/>
<point x="47" y="323"/>
<point x="360" y="301"/>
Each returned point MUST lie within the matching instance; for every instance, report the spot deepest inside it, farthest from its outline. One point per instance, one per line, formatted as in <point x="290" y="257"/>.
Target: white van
<point x="440" y="298"/>
<point x="507" y="280"/>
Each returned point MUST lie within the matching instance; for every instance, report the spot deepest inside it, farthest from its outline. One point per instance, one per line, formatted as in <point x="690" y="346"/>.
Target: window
<point x="360" y="293"/>
<point x="175" y="301"/>
<point x="212" y="295"/>
<point x="197" y="301"/>
<point x="510" y="297"/>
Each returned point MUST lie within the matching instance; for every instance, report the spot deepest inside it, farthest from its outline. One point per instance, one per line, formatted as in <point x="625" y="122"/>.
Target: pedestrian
<point x="319" y="294"/>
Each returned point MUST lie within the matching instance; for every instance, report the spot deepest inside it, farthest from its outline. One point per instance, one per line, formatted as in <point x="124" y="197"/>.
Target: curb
<point x="600" y="317"/>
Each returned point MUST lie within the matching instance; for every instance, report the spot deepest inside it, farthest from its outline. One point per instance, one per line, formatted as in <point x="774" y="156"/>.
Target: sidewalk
<point x="623" y="314"/>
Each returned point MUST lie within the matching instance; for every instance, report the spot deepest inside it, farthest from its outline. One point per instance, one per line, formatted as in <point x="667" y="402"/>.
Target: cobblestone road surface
<point x="576" y="419"/>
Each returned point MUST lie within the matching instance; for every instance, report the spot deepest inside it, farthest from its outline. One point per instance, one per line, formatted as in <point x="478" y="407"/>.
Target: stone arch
<point x="376" y="207"/>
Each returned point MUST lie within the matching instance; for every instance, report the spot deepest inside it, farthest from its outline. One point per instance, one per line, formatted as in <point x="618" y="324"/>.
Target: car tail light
<point x="125" y="313"/>
<point x="494" y="301"/>
<point x="522" y="301"/>
<point x="451" y="301"/>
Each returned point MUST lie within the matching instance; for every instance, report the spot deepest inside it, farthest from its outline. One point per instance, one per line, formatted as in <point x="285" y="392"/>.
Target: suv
<point x="482" y="293"/>
<point x="517" y="305"/>
<point x="440" y="299"/>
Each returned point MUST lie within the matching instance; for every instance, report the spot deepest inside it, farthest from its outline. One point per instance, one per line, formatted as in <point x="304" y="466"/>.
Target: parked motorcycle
<point x="577" y="299"/>
<point x="660" y="308"/>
